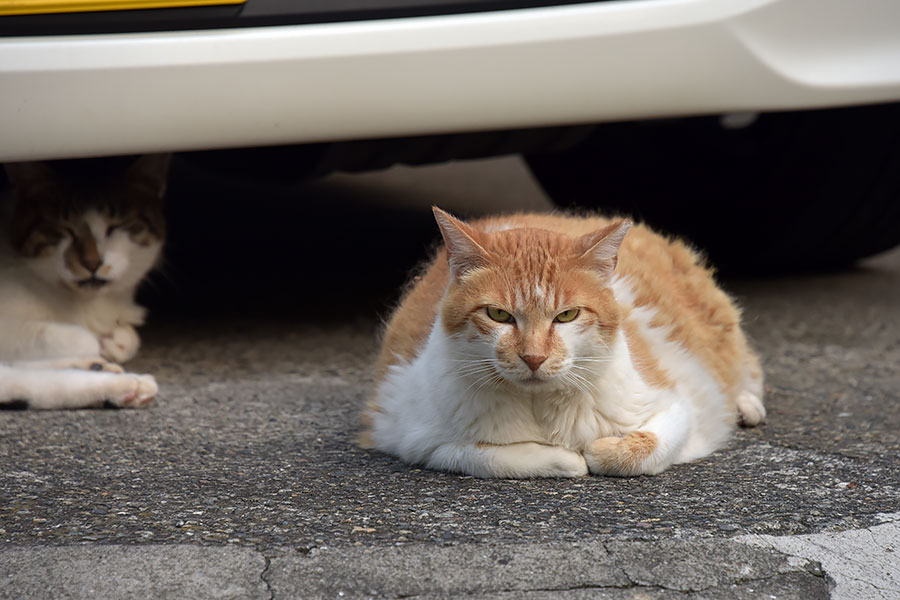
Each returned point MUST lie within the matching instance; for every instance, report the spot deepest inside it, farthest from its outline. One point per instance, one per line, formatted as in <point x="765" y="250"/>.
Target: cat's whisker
<point x="594" y="365"/>
<point x="590" y="370"/>
<point x="576" y="381"/>
<point x="152" y="280"/>
<point x="577" y="386"/>
<point x="586" y="390"/>
<point x="470" y="372"/>
<point x="164" y="269"/>
<point x="473" y="373"/>
<point x="582" y="363"/>
<point x="480" y="382"/>
<point x="471" y="360"/>
<point x="474" y="361"/>
<point x="472" y="368"/>
<point x="476" y="364"/>
<point x="493" y="381"/>
<point x="590" y="385"/>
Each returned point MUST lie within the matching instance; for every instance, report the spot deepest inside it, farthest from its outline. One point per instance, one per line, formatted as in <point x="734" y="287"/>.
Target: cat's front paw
<point x="515" y="460"/>
<point x="121" y="344"/>
<point x="132" y="315"/>
<point x="624" y="456"/>
<point x="751" y="409"/>
<point x="568" y="464"/>
<point x="133" y="391"/>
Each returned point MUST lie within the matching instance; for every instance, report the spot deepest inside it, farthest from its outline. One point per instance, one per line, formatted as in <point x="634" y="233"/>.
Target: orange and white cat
<point x="556" y="346"/>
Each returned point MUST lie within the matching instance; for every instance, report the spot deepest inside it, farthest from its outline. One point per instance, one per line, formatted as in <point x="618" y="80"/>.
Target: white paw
<point x="121" y="344"/>
<point x="567" y="463"/>
<point x="518" y="460"/>
<point x="751" y="409"/>
<point x="132" y="391"/>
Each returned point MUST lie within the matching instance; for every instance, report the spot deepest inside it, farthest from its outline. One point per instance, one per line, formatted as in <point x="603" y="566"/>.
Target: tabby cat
<point x="556" y="346"/>
<point x="76" y="241"/>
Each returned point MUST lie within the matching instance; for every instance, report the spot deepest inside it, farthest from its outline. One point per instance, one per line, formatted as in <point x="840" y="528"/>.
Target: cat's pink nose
<point x="533" y="362"/>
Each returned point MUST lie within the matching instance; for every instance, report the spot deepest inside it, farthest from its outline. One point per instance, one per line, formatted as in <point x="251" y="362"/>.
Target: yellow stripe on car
<point x="30" y="7"/>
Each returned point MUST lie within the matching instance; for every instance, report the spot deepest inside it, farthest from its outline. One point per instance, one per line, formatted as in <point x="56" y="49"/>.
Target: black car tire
<point x="789" y="191"/>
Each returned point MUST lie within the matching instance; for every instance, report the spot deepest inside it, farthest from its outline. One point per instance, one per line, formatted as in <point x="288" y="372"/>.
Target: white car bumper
<point x="92" y="95"/>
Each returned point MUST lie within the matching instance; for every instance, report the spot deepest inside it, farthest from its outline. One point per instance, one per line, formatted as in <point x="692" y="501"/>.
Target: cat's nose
<point x="90" y="261"/>
<point x="87" y="253"/>
<point x="534" y="362"/>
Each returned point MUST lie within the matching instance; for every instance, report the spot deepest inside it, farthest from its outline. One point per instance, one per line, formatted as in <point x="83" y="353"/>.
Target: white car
<point x="731" y="163"/>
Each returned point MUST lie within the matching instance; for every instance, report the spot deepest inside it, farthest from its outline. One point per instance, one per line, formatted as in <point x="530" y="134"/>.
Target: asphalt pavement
<point x="243" y="479"/>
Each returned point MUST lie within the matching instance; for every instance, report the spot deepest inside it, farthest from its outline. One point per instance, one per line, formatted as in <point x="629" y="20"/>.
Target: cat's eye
<point x="111" y="229"/>
<point x="499" y="315"/>
<point x="566" y="315"/>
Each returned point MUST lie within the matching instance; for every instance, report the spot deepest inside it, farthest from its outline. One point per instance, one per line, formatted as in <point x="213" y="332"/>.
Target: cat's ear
<point x="463" y="250"/>
<point x="600" y="249"/>
<point x="151" y="171"/>
<point x="29" y="178"/>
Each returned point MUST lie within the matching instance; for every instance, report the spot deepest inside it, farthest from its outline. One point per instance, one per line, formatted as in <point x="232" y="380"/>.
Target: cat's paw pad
<point x="622" y="456"/>
<point x="93" y="363"/>
<point x="136" y="391"/>
<point x="751" y="409"/>
<point x="121" y="344"/>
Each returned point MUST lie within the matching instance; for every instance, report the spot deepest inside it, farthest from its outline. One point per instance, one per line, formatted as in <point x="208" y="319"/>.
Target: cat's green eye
<point x="499" y="315"/>
<point x="566" y="315"/>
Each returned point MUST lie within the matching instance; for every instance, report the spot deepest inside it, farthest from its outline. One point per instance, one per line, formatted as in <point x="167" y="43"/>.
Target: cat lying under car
<point x="73" y="249"/>
<point x="556" y="346"/>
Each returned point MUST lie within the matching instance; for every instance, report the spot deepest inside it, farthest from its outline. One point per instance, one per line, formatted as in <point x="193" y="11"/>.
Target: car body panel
<point x="92" y="95"/>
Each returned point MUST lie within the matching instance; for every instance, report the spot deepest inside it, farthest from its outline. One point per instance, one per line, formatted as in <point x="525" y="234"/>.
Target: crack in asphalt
<point x="806" y="565"/>
<point x="695" y="590"/>
<point x="573" y="588"/>
<point x="630" y="585"/>
<point x="265" y="580"/>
